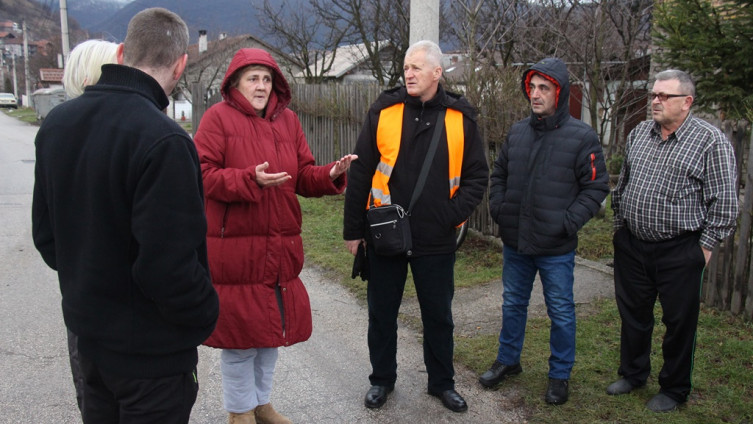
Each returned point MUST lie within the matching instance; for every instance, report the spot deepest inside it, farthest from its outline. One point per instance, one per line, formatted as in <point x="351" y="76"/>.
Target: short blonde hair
<point x="84" y="65"/>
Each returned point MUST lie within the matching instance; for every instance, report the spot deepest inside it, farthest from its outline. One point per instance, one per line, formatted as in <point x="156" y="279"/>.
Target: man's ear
<point x="180" y="66"/>
<point x="688" y="103"/>
<point x="437" y="73"/>
<point x="119" y="54"/>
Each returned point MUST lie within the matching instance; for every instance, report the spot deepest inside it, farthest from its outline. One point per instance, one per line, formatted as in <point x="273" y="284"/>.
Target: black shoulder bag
<point x="389" y="224"/>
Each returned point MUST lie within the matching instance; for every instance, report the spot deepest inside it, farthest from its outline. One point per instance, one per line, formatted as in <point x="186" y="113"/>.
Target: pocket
<point x="619" y="236"/>
<point x="695" y="252"/>
<point x="677" y="183"/>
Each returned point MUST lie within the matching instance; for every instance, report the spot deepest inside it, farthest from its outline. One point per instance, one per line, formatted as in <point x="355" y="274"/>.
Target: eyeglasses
<point x="664" y="96"/>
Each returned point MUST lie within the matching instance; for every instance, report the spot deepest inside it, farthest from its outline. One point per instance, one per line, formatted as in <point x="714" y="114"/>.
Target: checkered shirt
<point x="685" y="183"/>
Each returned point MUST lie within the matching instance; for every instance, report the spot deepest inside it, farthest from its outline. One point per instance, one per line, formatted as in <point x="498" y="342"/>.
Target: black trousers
<point x="671" y="270"/>
<point x="433" y="277"/>
<point x="111" y="399"/>
<point x="78" y="377"/>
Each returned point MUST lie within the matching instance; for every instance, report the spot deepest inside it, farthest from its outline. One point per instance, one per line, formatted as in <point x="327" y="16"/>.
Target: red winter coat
<point x="253" y="237"/>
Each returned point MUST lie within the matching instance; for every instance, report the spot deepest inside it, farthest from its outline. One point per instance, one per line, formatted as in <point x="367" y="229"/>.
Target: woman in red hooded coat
<point x="255" y="160"/>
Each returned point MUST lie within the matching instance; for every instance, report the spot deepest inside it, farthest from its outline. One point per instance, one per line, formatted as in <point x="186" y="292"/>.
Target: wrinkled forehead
<point x="670" y="86"/>
<point x="257" y="69"/>
<point x="419" y="59"/>
<point x="537" y="79"/>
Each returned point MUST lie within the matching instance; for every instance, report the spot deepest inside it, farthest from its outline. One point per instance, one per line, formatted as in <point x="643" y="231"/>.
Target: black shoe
<point x="451" y="400"/>
<point x="497" y="373"/>
<point x="662" y="403"/>
<point x="622" y="387"/>
<point x="377" y="396"/>
<point x="556" y="391"/>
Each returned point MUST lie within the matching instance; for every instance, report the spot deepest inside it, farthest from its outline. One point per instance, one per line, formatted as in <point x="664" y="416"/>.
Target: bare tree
<point x="603" y="42"/>
<point x="309" y="37"/>
<point x="489" y="28"/>
<point x="485" y="29"/>
<point x="208" y="68"/>
<point x="376" y="24"/>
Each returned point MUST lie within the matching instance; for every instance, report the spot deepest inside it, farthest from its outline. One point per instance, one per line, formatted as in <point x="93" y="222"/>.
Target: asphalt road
<point x="320" y="381"/>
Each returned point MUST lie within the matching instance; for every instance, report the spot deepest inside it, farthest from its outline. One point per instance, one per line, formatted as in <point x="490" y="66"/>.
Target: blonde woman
<point x="83" y="68"/>
<point x="84" y="65"/>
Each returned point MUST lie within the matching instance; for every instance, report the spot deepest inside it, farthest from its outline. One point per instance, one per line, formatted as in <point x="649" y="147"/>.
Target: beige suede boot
<point x="244" y="418"/>
<point x="265" y="414"/>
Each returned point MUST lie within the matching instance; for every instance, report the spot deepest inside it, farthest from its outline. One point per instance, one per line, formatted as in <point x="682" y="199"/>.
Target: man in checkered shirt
<point x="675" y="200"/>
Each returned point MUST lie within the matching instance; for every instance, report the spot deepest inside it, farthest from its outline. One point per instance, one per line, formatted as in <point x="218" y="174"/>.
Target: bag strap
<point x="427" y="161"/>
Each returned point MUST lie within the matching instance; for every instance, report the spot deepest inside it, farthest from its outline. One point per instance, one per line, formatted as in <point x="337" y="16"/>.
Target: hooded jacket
<point x="436" y="213"/>
<point x="254" y="242"/>
<point x="550" y="177"/>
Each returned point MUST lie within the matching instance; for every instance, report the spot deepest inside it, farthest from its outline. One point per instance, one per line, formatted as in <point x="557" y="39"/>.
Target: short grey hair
<point x="430" y="48"/>
<point x="686" y="82"/>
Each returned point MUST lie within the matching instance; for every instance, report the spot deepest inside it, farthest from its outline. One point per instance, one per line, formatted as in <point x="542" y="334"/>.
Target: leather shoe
<point x="662" y="403"/>
<point x="621" y="387"/>
<point x="556" y="391"/>
<point x="377" y="396"/>
<point x="451" y="400"/>
<point x="497" y="373"/>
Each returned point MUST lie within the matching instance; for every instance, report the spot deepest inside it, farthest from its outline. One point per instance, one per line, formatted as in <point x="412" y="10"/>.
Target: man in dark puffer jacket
<point x="548" y="181"/>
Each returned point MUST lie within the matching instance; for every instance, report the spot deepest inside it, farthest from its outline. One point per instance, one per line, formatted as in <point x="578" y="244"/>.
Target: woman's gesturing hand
<point x="270" y="180"/>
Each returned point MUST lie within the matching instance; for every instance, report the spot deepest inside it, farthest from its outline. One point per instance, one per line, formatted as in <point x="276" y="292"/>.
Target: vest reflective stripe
<point x="453" y="122"/>
<point x="389" y="133"/>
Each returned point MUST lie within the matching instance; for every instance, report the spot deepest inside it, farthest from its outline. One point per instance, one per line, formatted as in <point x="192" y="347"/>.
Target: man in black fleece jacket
<point x="118" y="212"/>
<point x="393" y="143"/>
<point x="548" y="181"/>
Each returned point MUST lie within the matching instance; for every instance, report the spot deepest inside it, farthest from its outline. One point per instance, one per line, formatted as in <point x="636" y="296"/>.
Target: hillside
<point x="230" y="16"/>
<point x="108" y="19"/>
<point x="42" y="22"/>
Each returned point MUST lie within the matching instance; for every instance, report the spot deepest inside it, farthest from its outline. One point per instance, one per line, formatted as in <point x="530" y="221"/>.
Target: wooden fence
<point x="728" y="284"/>
<point x="332" y="115"/>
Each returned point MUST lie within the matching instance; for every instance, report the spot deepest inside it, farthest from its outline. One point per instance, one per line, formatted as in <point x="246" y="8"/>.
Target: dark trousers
<point x="433" y="277"/>
<point x="110" y="399"/>
<point x="671" y="270"/>
<point x="78" y="378"/>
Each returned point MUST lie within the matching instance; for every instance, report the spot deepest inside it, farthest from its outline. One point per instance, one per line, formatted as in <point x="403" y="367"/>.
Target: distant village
<point x="207" y="61"/>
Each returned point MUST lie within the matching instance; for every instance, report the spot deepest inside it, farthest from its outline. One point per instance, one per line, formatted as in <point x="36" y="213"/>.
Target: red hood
<point x="279" y="99"/>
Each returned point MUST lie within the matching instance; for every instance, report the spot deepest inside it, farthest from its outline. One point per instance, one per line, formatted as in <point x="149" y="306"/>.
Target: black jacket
<point x="550" y="177"/>
<point x="118" y="211"/>
<point x="435" y="215"/>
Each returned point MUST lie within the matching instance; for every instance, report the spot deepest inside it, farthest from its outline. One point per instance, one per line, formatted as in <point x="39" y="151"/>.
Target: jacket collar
<point x="124" y="77"/>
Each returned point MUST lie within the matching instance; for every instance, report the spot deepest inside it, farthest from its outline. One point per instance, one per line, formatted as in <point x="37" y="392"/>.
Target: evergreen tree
<point x="713" y="41"/>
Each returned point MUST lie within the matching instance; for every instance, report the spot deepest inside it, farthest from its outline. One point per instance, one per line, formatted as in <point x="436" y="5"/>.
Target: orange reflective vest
<point x="389" y="133"/>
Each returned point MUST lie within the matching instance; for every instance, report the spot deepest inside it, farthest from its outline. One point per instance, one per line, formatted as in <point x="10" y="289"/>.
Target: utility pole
<point x="26" y="63"/>
<point x="64" y="29"/>
<point x="424" y="20"/>
<point x="15" y="80"/>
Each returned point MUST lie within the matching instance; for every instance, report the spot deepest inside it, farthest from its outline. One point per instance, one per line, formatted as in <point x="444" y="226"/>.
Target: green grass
<point x="595" y="238"/>
<point x="477" y="260"/>
<point x="722" y="376"/>
<point x="25" y="114"/>
<point x="723" y="372"/>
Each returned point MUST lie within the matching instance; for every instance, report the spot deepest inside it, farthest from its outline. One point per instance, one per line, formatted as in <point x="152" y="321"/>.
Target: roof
<point x="346" y="59"/>
<point x="226" y="43"/>
<point x="51" y="74"/>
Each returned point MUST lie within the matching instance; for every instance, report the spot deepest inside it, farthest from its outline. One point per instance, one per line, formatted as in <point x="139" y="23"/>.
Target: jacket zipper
<point x="593" y="166"/>
<point x="280" y="306"/>
<point x="224" y="221"/>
